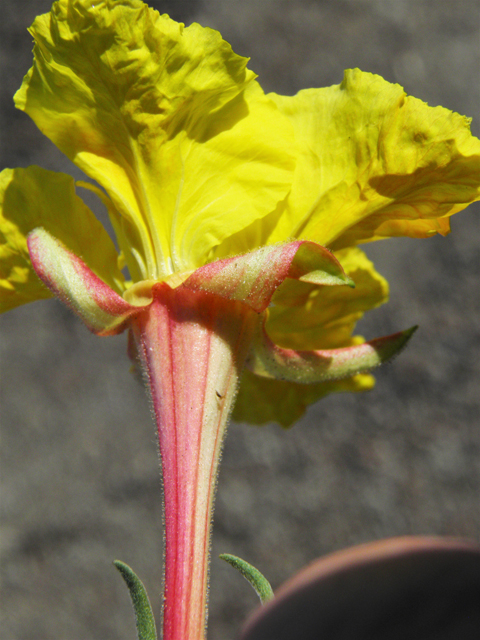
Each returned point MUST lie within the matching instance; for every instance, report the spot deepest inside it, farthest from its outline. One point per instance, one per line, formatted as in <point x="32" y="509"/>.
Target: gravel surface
<point x="79" y="476"/>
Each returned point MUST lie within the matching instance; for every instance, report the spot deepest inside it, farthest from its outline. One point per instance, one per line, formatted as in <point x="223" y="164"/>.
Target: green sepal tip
<point x="257" y="580"/>
<point x="145" y="621"/>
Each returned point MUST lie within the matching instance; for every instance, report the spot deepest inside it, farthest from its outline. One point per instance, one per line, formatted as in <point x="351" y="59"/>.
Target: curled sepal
<point x="254" y="277"/>
<point x="145" y="621"/>
<point x="68" y="277"/>
<point x="271" y="361"/>
<point x="258" y="581"/>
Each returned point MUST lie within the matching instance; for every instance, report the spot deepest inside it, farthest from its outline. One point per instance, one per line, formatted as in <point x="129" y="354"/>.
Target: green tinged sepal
<point x="308" y="367"/>
<point x="102" y="309"/>
<point x="254" y="277"/>
<point x="145" y="621"/>
<point x="258" y="581"/>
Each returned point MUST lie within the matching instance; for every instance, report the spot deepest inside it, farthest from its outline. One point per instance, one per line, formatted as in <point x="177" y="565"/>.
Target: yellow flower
<point x="222" y="200"/>
<point x="196" y="163"/>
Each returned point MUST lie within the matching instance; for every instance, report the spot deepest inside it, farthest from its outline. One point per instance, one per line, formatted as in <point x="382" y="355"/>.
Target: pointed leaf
<point x="249" y="572"/>
<point x="74" y="283"/>
<point x="146" y="629"/>
<point x="269" y="360"/>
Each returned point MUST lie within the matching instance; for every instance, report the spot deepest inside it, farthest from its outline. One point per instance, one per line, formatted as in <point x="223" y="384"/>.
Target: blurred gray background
<point x="79" y="471"/>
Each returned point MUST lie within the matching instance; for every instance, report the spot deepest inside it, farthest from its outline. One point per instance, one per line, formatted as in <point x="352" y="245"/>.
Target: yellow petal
<point x="306" y="317"/>
<point x="375" y="163"/>
<point x="157" y="114"/>
<point x="262" y="400"/>
<point x="35" y="197"/>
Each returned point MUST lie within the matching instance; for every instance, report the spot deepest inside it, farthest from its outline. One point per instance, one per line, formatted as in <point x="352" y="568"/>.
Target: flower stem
<point x="193" y="345"/>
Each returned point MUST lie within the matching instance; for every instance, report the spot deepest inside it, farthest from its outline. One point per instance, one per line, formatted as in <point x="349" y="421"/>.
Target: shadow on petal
<point x="424" y="588"/>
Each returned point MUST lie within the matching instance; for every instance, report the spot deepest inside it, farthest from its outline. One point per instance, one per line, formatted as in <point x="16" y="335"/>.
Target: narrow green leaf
<point x="141" y="604"/>
<point x="257" y="580"/>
